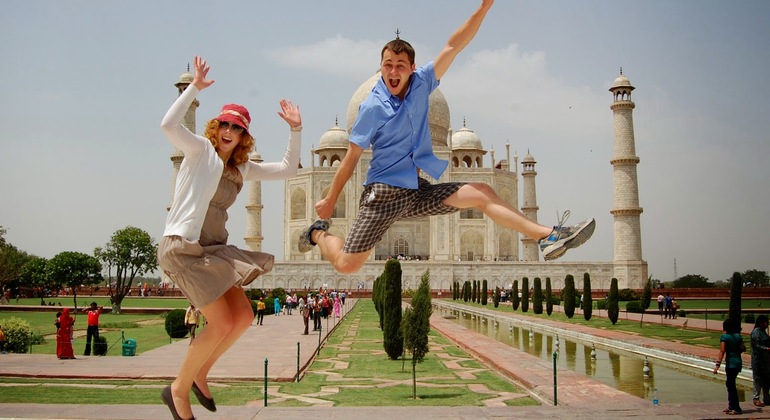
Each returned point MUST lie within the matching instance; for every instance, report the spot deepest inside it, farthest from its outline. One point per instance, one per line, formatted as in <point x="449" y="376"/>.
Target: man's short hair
<point x="398" y="46"/>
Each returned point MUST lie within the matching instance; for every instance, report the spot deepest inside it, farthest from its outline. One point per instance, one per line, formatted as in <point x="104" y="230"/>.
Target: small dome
<point x="621" y="82"/>
<point x="438" y="114"/>
<point x="185" y="78"/>
<point x="255" y="156"/>
<point x="334" y="137"/>
<point x="528" y="159"/>
<point x="465" y="138"/>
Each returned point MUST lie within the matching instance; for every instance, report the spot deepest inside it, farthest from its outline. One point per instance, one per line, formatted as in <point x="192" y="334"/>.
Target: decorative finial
<point x="464" y="121"/>
<point x="621" y="70"/>
<point x="336" y="120"/>
<point x="188" y="67"/>
<point x="398" y="33"/>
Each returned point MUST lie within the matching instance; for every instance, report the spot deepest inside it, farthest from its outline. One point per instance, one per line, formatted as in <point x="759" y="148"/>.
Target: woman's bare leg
<point x="242" y="315"/>
<point x="220" y="324"/>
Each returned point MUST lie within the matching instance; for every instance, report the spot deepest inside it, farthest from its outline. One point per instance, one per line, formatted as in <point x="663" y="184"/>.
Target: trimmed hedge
<point x="175" y="326"/>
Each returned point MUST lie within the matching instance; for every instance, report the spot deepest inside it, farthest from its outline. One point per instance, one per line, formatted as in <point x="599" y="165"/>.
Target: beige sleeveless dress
<point x="205" y="269"/>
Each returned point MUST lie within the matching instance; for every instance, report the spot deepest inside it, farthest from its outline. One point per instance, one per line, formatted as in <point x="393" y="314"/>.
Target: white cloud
<point x="515" y="91"/>
<point x="338" y="56"/>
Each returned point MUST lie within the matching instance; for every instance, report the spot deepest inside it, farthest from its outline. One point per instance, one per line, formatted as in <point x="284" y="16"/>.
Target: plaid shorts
<point x="381" y="205"/>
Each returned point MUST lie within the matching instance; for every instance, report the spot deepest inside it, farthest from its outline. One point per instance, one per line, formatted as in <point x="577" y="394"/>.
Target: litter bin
<point x="129" y="347"/>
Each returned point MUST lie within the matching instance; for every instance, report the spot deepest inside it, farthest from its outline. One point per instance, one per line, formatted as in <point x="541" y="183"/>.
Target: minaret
<point x="529" y="205"/>
<point x="189" y="121"/>
<point x="625" y="210"/>
<point x="254" y="208"/>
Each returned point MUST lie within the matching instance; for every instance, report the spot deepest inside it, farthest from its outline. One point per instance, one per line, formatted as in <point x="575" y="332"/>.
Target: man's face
<point x="396" y="70"/>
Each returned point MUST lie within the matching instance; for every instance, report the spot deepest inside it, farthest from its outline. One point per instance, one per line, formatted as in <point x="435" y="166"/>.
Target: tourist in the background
<point x="730" y="348"/>
<point x="92" y="332"/>
<point x="760" y="361"/>
<point x="64" y="332"/>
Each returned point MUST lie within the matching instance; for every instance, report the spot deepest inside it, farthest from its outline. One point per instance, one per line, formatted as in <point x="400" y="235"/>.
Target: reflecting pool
<point x="617" y="368"/>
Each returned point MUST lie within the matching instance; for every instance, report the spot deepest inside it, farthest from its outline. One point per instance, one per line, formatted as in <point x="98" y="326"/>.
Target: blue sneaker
<point x="563" y="237"/>
<point x="305" y="243"/>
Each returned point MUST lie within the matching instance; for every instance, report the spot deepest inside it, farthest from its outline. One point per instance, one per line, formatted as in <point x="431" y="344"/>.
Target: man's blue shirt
<point x="398" y="132"/>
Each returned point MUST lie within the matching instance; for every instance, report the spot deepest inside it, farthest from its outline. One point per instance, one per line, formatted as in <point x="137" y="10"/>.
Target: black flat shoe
<point x="167" y="398"/>
<point x="207" y="403"/>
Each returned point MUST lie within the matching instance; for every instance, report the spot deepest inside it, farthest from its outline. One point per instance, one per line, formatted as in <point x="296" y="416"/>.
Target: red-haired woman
<point x="193" y="251"/>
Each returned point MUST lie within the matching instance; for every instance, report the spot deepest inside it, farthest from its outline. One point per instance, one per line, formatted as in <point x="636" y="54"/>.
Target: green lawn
<point x="368" y="377"/>
<point x="147" y="329"/>
<point x="128" y="302"/>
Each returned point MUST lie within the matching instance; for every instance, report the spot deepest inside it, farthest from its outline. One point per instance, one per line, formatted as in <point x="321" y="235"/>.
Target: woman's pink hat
<point x="235" y="114"/>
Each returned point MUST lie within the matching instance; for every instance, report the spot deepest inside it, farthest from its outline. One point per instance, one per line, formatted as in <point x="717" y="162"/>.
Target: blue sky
<point x="85" y="84"/>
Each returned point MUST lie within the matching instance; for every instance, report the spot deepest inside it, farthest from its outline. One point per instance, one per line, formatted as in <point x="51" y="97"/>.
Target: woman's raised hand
<point x="290" y="113"/>
<point x="201" y="70"/>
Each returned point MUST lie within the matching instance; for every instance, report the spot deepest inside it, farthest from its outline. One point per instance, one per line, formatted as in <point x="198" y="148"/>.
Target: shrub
<point x="253" y="307"/>
<point x="613" y="310"/>
<point x="549" y="297"/>
<point x="568" y="295"/>
<point x="601" y="304"/>
<point x="496" y="297"/>
<point x="392" y="336"/>
<point x="683" y="313"/>
<point x="634" y="306"/>
<point x="736" y="284"/>
<point x="18" y="335"/>
<point x="515" y="295"/>
<point x="647" y="294"/>
<point x="175" y="327"/>
<point x="537" y="297"/>
<point x="484" y="292"/>
<point x="524" y="294"/>
<point x="626" y="295"/>
<point x="100" y="345"/>
<point x="749" y="319"/>
<point x="587" y="301"/>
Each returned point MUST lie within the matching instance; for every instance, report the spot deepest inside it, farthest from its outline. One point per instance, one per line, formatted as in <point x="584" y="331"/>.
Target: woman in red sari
<point x="64" y="335"/>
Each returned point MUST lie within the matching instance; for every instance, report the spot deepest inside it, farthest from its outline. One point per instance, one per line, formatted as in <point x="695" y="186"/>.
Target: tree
<point x="587" y="300"/>
<point x="568" y="296"/>
<point x="613" y="308"/>
<point x="691" y="281"/>
<point x="524" y="294"/>
<point x="515" y="295"/>
<point x="548" y="297"/>
<point x="755" y="278"/>
<point x="537" y="297"/>
<point x="73" y="269"/>
<point x="130" y="252"/>
<point x="475" y="292"/>
<point x="417" y="326"/>
<point x="496" y="297"/>
<point x="647" y="294"/>
<point x="33" y="274"/>
<point x="484" y="292"/>
<point x="735" y="297"/>
<point x="11" y="261"/>
<point x="377" y="298"/>
<point x="393" y="340"/>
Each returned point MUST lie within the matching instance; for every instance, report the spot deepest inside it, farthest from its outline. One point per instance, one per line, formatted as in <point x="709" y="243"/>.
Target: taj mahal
<point x="465" y="245"/>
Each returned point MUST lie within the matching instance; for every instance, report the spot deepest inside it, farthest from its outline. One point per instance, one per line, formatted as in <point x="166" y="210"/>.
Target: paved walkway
<point x="277" y="341"/>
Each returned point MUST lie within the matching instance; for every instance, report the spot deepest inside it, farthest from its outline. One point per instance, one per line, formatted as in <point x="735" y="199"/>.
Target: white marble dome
<point x="621" y="81"/>
<point x="334" y="138"/>
<point x="438" y="115"/>
<point x="465" y="138"/>
<point x="185" y="78"/>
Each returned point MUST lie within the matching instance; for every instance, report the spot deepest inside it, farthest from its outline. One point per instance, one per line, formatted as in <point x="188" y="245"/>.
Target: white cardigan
<point x="202" y="168"/>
